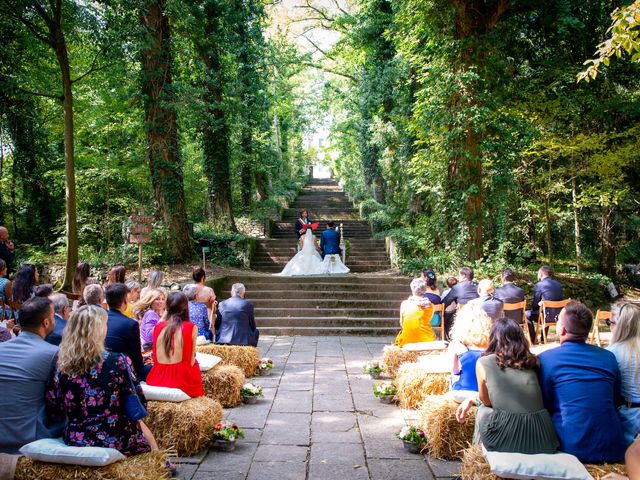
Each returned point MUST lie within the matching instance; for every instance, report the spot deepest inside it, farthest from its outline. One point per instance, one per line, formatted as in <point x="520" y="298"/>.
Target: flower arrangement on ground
<point x="227" y="431"/>
<point x="384" y="389"/>
<point x="412" y="434"/>
<point x="250" y="392"/>
<point x="264" y="366"/>
<point x="373" y="368"/>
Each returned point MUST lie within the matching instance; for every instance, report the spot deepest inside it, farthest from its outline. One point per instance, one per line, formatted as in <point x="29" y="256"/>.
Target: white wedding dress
<point x="309" y="262"/>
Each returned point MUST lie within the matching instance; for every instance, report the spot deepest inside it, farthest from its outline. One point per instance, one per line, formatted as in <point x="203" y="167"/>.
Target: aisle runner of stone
<point x="318" y="419"/>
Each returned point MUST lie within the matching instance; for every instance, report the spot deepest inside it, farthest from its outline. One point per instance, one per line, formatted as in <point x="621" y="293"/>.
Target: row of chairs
<point x="543" y="323"/>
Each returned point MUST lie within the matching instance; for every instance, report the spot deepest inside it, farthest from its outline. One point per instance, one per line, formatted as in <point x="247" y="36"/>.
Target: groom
<point x="330" y="241"/>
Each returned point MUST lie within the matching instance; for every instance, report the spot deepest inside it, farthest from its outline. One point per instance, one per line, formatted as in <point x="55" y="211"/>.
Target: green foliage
<point x="226" y="248"/>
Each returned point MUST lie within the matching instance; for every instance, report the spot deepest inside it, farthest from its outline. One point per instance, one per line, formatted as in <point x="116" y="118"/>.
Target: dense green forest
<point x="461" y="128"/>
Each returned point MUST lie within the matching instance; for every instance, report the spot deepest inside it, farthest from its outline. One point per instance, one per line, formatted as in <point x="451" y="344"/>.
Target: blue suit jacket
<point x="461" y="293"/>
<point x="546" y="289"/>
<point x="235" y="323"/>
<point x="491" y="305"/>
<point x="26" y="366"/>
<point x="123" y="336"/>
<point x="510" y="293"/>
<point x="55" y="337"/>
<point x="580" y="385"/>
<point x="330" y="242"/>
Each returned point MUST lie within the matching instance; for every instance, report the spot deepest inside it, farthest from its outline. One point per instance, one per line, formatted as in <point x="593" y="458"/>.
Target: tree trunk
<point x="576" y="219"/>
<point x="547" y="219"/>
<point x="607" y="261"/>
<point x="261" y="188"/>
<point x="161" y="129"/>
<point x="246" y="170"/>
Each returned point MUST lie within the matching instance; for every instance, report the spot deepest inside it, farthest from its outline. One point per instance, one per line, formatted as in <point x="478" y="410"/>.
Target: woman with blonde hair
<point x="89" y="388"/>
<point x="154" y="282"/>
<point x="148" y="311"/>
<point x="469" y="339"/>
<point x="415" y="316"/>
<point x="625" y="345"/>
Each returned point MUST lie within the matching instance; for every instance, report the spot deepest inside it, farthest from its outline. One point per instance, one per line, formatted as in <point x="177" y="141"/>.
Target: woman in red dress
<point x="174" y="349"/>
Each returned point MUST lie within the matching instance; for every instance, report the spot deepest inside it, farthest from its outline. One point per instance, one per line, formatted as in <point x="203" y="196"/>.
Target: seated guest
<point x="198" y="312"/>
<point x="625" y="345"/>
<point x="25" y="283"/>
<point x="464" y="291"/>
<point x="415" y="316"/>
<point x="117" y="274"/>
<point x="89" y="389"/>
<point x="509" y="292"/>
<point x="206" y="295"/>
<point x="62" y="310"/>
<point x="5" y="283"/>
<point x="26" y="365"/>
<point x="487" y="301"/>
<point x="133" y="296"/>
<point x="123" y="333"/>
<point x="93" y="295"/>
<point x="428" y="276"/>
<point x="154" y="282"/>
<point x="546" y="289"/>
<point x="450" y="309"/>
<point x="235" y="323"/>
<point x="81" y="279"/>
<point x="148" y="311"/>
<point x="174" y="349"/>
<point x="511" y="415"/>
<point x="469" y="338"/>
<point x="581" y="388"/>
<point x="45" y="290"/>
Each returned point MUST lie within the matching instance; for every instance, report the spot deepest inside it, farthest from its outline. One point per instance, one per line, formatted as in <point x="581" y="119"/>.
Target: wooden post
<point x="140" y="262"/>
<point x="204" y="265"/>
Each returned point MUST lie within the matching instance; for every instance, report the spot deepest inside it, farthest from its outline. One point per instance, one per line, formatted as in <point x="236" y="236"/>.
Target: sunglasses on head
<point x="612" y="322"/>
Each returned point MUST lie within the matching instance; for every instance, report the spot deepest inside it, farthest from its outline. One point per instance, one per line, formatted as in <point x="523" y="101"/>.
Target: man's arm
<point x="135" y="349"/>
<point x="451" y="297"/>
<point x="322" y="241"/>
<point x="252" y="319"/>
<point x="537" y="298"/>
<point x="546" y="383"/>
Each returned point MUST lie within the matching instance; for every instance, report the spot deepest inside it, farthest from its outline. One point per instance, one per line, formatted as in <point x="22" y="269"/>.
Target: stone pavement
<point x="318" y="420"/>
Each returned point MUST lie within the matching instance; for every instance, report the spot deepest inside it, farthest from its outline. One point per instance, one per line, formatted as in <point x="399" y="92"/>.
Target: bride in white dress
<point x="309" y="262"/>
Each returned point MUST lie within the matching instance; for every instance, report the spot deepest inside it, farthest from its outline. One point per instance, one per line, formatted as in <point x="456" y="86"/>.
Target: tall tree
<point x="161" y="128"/>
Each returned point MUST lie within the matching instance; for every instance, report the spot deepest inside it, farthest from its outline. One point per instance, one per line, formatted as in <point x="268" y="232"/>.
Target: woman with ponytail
<point x="174" y="349"/>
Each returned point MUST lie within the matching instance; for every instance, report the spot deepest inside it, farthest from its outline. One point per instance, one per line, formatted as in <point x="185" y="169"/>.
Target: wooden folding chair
<point x="439" y="309"/>
<point x="522" y="306"/>
<point x="595" y="331"/>
<point x="542" y="317"/>
<point x="13" y="307"/>
<point x="72" y="296"/>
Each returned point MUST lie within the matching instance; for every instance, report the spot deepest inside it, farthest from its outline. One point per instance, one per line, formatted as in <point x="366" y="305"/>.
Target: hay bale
<point x="147" y="466"/>
<point x="476" y="467"/>
<point x="223" y="383"/>
<point x="446" y="438"/>
<point x="185" y="426"/>
<point x="394" y="356"/>
<point x="244" y="357"/>
<point x="415" y="382"/>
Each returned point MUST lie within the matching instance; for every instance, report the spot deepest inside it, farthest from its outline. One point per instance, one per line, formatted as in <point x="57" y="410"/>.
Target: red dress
<point x="180" y="375"/>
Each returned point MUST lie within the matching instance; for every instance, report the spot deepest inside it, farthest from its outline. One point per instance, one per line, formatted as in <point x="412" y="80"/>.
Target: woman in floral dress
<point x="89" y="388"/>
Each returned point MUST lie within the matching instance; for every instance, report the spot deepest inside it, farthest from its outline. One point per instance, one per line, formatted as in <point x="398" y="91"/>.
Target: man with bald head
<point x="490" y="304"/>
<point x="580" y="386"/>
<point x="6" y="249"/>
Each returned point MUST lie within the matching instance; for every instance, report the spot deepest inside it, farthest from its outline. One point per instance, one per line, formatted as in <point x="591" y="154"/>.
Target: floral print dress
<point x="93" y="404"/>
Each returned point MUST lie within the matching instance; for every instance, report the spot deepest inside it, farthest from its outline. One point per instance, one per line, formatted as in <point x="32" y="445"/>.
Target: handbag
<point x="133" y="406"/>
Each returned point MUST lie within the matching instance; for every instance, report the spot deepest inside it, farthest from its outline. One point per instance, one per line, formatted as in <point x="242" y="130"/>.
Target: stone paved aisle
<point x="318" y="419"/>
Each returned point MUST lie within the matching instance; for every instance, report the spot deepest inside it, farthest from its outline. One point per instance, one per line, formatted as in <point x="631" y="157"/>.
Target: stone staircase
<point x="359" y="303"/>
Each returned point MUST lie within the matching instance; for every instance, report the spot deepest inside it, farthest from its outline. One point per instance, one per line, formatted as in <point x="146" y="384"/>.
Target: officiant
<point x="300" y="225"/>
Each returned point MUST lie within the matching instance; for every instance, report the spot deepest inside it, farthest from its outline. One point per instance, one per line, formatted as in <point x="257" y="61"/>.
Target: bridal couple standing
<point x="313" y="259"/>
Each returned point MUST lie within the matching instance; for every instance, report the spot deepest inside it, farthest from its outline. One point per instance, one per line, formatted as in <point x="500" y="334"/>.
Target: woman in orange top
<point x="174" y="349"/>
<point x="415" y="316"/>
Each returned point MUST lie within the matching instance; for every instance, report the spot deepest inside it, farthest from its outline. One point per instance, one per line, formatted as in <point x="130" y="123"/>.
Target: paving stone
<point x="301" y="358"/>
<point x="337" y="453"/>
<point x="337" y="427"/>
<point x="293" y="402"/>
<point x="322" y="360"/>
<point x="295" y="386"/>
<point x="331" y="471"/>
<point x="185" y="470"/>
<point x="277" y="471"/>
<point x="252" y="435"/>
<point x="444" y="468"/>
<point x="277" y="418"/>
<point x="399" y="469"/>
<point x="332" y="388"/>
<point x="197" y="458"/>
<point x="277" y="453"/>
<point x="238" y="460"/>
<point x="285" y="435"/>
<point x="232" y="474"/>
<point x="332" y="403"/>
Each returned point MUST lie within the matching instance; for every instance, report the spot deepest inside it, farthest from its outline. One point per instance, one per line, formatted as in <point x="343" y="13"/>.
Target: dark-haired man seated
<point x="581" y="389"/>
<point x="509" y="292"/>
<point x="26" y="365"/>
<point x="123" y="333"/>
<point x="462" y="293"/>
<point x="547" y="288"/>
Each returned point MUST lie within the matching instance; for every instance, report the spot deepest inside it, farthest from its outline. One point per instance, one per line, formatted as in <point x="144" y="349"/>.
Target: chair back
<point x="522" y="307"/>
<point x="72" y="296"/>
<point x="595" y="331"/>
<point x="542" y="318"/>
<point x="439" y="308"/>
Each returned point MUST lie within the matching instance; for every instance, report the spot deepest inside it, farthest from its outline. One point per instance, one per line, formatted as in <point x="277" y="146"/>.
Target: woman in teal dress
<point x="511" y="415"/>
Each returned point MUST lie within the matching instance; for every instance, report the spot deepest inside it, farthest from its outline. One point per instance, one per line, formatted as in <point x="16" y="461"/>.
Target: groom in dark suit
<point x="330" y="241"/>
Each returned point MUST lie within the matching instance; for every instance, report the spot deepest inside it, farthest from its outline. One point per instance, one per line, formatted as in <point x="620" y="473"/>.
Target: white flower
<point x="405" y="431"/>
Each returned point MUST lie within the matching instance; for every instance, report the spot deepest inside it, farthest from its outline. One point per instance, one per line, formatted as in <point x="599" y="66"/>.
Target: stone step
<point x="306" y="290"/>
<point x="330" y="331"/>
<point x="344" y="304"/>
<point x="323" y="312"/>
<point x="355" y="269"/>
<point x="357" y="281"/>
<point x="329" y="322"/>
<point x="308" y="295"/>
<point x="352" y="259"/>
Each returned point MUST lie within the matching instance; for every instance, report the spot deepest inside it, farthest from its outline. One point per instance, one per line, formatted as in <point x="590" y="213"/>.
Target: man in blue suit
<point x="509" y="292"/>
<point x="123" y="333"/>
<point x="26" y="365"/>
<point x="62" y="311"/>
<point x="235" y="323"/>
<point x="330" y="241"/>
<point x="546" y="289"/>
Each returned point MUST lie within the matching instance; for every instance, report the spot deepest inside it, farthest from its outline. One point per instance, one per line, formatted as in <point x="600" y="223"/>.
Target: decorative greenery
<point x="251" y="390"/>
<point x="265" y="363"/>
<point x="227" y="431"/>
<point x="384" y="389"/>
<point x="372" y="368"/>
<point x="412" y="434"/>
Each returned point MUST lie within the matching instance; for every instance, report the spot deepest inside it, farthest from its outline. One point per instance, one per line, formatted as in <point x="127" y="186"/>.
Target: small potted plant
<point x="385" y="391"/>
<point x="373" y="368"/>
<point x="413" y="438"/>
<point x="225" y="435"/>
<point x="264" y="366"/>
<point x="250" y="393"/>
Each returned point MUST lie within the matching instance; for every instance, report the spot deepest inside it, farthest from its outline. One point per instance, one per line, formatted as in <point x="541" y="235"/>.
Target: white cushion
<point x="537" y="467"/>
<point x="202" y="340"/>
<point x="424" y="346"/>
<point x="207" y="361"/>
<point x="440" y="363"/>
<point x="53" y="450"/>
<point x="163" y="394"/>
